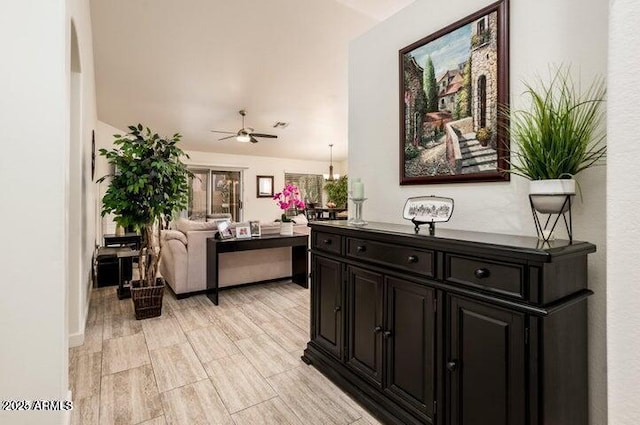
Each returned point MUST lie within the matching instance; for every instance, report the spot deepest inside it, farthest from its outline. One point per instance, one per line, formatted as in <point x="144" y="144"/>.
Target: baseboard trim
<point x="76" y="340"/>
<point x="66" y="414"/>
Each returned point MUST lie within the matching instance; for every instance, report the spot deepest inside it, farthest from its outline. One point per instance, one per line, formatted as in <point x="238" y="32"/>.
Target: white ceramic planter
<point x="286" y="228"/>
<point x="549" y="196"/>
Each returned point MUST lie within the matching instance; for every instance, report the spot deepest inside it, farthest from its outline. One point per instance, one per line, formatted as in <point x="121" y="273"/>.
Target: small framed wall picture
<point x="255" y="228"/>
<point x="224" y="230"/>
<point x="264" y="186"/>
<point x="243" y="231"/>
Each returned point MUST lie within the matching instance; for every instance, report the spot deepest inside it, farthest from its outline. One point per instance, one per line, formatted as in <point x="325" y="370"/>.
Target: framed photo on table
<point x="264" y="186"/>
<point x="243" y="231"/>
<point x="255" y="229"/>
<point x="453" y="85"/>
<point x="224" y="230"/>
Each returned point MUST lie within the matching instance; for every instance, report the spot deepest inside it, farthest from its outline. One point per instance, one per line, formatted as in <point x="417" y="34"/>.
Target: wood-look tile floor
<point x="237" y="363"/>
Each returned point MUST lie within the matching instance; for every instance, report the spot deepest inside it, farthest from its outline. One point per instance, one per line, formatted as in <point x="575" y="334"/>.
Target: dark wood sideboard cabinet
<point x="460" y="328"/>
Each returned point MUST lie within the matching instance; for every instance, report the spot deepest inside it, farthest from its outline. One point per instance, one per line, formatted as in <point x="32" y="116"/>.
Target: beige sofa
<point x="184" y="255"/>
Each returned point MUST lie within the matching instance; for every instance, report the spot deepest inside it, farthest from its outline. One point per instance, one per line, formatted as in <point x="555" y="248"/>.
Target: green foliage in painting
<point x="430" y="86"/>
<point x="464" y="98"/>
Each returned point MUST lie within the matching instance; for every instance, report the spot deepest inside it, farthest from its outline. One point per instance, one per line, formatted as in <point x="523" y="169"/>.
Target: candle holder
<point x="357" y="220"/>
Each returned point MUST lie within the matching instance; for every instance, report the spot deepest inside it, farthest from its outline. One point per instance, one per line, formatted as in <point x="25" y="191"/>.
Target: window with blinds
<point x="310" y="186"/>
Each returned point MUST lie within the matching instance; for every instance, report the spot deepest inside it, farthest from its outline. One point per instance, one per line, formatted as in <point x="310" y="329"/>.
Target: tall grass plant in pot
<point x="560" y="135"/>
<point x="150" y="184"/>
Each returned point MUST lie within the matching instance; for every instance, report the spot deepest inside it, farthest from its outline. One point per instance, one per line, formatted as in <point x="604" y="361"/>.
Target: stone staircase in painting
<point x="475" y="157"/>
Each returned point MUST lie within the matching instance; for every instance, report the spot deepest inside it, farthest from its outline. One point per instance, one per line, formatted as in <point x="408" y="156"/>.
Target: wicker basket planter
<point x="147" y="301"/>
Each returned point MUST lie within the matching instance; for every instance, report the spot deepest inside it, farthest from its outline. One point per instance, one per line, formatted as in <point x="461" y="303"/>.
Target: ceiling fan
<point x="245" y="134"/>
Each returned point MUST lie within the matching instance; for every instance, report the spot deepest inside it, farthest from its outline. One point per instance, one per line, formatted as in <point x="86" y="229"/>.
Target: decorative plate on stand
<point x="428" y="210"/>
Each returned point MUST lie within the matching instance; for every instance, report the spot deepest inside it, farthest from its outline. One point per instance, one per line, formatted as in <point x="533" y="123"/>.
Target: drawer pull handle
<point x="387" y="334"/>
<point x="412" y="259"/>
<point x="482" y="273"/>
<point x="452" y="366"/>
<point x="361" y="248"/>
<point x="337" y="309"/>
<point x="377" y="329"/>
<point x="327" y="241"/>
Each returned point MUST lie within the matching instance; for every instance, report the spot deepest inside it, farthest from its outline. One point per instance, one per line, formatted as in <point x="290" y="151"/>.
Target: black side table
<point x="107" y="266"/>
<point x="124" y="255"/>
<point x="128" y="239"/>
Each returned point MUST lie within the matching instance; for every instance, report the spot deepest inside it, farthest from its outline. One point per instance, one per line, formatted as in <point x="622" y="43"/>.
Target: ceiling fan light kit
<point x="245" y="134"/>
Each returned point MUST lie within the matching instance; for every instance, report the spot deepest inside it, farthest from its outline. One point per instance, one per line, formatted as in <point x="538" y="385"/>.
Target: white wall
<point x="34" y="113"/>
<point x="542" y="33"/>
<point x="104" y="139"/>
<point x="263" y="209"/>
<point x="623" y="218"/>
<point x="81" y="203"/>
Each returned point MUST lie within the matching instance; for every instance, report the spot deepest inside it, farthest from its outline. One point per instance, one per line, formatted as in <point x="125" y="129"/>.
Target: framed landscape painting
<point x="452" y="86"/>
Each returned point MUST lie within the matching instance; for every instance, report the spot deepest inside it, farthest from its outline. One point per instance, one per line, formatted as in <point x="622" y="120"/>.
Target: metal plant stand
<point x="546" y="234"/>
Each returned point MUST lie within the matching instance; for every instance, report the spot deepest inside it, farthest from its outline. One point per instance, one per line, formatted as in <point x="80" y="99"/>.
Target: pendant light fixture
<point x="331" y="177"/>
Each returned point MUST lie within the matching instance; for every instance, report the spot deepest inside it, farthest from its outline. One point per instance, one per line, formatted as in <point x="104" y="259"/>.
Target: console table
<point x="299" y="246"/>
<point x="451" y="329"/>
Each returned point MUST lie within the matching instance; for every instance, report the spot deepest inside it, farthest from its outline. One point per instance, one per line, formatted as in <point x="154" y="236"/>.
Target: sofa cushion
<point x="185" y="225"/>
<point x="174" y="234"/>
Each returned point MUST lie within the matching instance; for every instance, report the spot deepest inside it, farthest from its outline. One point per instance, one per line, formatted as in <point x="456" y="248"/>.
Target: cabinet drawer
<point x="405" y="258"/>
<point x="327" y="242"/>
<point x="502" y="278"/>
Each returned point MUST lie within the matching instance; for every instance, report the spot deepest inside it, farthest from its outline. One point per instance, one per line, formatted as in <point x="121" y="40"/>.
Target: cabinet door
<point x="364" y="323"/>
<point x="327" y="308"/>
<point x="410" y="345"/>
<point x="486" y="364"/>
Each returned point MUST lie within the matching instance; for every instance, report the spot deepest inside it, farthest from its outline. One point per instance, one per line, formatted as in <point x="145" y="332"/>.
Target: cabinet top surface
<point x="524" y="244"/>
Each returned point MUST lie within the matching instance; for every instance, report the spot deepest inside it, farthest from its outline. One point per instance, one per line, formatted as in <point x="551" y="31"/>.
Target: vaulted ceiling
<point x="189" y="66"/>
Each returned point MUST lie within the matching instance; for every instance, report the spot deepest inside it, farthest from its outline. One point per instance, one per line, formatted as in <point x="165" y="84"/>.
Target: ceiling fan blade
<point x="253" y="139"/>
<point x="224" y="132"/>
<point x="268" y="136"/>
<point x="228" y="137"/>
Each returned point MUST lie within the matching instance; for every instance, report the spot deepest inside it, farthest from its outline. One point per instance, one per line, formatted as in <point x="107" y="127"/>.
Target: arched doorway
<point x="482" y="101"/>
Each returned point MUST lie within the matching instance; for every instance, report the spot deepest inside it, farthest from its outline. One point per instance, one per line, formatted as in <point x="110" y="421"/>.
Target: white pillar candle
<point x="358" y="189"/>
<point x="352" y="181"/>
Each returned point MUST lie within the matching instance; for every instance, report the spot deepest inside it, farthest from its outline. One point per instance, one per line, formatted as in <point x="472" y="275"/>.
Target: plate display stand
<point x="429" y="210"/>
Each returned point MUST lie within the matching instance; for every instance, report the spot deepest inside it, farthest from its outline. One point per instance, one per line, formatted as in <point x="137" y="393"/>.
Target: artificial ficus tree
<point x="149" y="185"/>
